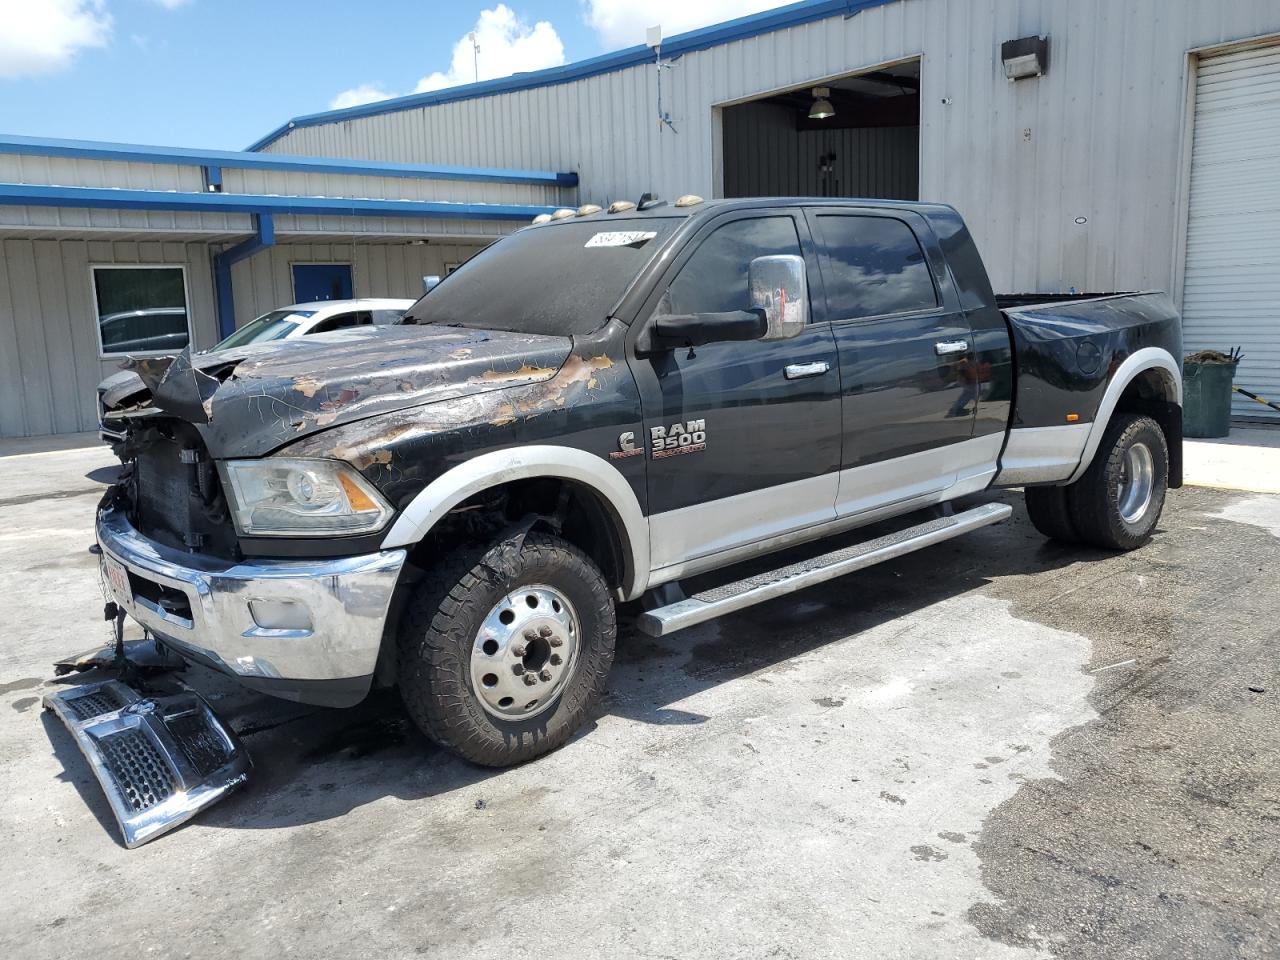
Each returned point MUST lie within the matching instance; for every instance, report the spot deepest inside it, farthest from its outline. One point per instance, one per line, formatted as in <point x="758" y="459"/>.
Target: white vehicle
<point x="122" y="389"/>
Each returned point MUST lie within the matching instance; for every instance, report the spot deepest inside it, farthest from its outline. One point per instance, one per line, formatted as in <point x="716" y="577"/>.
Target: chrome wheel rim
<point x="525" y="652"/>
<point x="1137" y="481"/>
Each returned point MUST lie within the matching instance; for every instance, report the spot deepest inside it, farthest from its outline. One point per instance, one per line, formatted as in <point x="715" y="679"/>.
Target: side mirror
<point x="779" y="289"/>
<point x="429" y="282"/>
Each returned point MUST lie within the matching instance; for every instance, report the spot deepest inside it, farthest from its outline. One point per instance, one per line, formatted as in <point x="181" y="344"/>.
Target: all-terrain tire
<point x="1095" y="500"/>
<point x="1049" y="513"/>
<point x="440" y="626"/>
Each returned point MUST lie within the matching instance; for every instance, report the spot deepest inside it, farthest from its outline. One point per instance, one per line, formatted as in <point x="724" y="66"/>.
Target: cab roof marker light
<point x="542" y="218"/>
<point x="689" y="200"/>
<point x="618" y="206"/>
<point x="587" y="209"/>
<point x="564" y="213"/>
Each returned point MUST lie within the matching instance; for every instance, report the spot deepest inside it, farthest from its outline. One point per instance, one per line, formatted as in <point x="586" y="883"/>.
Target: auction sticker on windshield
<point x="621" y="238"/>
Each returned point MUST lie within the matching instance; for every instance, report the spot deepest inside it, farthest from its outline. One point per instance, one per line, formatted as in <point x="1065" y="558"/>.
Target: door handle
<point x="798" y="371"/>
<point x="946" y="348"/>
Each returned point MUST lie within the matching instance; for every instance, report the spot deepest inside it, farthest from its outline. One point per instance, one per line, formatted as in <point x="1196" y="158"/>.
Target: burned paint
<point x="526" y="374"/>
<point x="249" y="403"/>
<point x="307" y="386"/>
<point x="591" y="397"/>
<point x="555" y="392"/>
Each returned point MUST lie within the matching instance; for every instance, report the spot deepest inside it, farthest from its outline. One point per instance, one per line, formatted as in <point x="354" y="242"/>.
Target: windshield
<point x="275" y="325"/>
<point x="557" y="280"/>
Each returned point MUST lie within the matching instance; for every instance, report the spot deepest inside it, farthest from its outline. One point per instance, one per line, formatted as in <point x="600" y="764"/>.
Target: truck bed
<point x="1009" y="301"/>
<point x="1066" y="348"/>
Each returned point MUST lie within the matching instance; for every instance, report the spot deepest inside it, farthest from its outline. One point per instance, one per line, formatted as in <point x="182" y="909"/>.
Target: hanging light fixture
<point x="822" y="107"/>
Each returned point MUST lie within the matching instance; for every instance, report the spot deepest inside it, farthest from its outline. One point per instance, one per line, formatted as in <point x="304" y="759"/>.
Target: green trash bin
<point x="1206" y="398"/>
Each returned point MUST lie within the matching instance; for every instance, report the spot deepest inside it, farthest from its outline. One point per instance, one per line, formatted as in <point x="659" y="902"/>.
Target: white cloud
<point x="507" y="45"/>
<point x="173" y="4"/>
<point x="365" y="93"/>
<point x="45" y="36"/>
<point x="622" y="23"/>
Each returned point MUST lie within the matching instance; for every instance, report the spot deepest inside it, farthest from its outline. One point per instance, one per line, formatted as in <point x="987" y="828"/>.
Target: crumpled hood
<point x="120" y="386"/>
<point x="250" y="402"/>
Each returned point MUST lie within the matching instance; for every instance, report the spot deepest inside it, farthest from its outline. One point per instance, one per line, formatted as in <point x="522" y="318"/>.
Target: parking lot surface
<point x="998" y="747"/>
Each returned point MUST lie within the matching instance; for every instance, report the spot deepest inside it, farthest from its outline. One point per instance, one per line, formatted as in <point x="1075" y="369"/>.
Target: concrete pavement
<point x="997" y="747"/>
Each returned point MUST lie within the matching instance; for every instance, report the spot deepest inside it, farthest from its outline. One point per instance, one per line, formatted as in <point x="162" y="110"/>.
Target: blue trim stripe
<point x="781" y="18"/>
<point x="135" y="153"/>
<point x="107" y="198"/>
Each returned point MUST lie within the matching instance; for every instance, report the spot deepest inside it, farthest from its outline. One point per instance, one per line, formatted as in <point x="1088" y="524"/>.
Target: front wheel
<point x="504" y="649"/>
<point x="1117" y="503"/>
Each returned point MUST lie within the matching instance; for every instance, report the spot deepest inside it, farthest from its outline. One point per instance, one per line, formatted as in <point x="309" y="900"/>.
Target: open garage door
<point x="1231" y="295"/>
<point x="857" y="136"/>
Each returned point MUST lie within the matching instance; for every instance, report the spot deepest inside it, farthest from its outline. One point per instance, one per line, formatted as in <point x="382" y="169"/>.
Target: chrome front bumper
<point x="283" y="626"/>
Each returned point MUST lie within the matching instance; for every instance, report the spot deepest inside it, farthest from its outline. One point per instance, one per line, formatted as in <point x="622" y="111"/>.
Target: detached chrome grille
<point x="160" y="759"/>
<point x="95" y="703"/>
<point x="137" y="768"/>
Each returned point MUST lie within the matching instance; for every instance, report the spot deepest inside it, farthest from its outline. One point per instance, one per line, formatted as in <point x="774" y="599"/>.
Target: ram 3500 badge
<point x="679" y="438"/>
<point x="456" y="506"/>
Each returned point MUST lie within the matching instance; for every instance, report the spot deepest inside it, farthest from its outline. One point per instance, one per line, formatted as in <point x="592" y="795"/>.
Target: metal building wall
<point x="265" y="281"/>
<point x="80" y="172"/>
<point x="1100" y="137"/>
<point x="49" y="357"/>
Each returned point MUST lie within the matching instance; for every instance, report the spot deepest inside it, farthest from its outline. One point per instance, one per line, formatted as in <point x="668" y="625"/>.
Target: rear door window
<point x="872" y="267"/>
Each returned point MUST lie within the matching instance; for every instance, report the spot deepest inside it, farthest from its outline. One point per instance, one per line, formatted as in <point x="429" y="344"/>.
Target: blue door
<point x="321" y="281"/>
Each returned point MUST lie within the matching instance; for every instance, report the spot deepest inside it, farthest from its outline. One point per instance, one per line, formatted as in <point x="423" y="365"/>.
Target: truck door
<point x="743" y="439"/>
<point x="906" y="357"/>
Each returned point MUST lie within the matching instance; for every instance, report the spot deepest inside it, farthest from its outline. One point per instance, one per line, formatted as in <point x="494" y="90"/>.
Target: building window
<point x="141" y="309"/>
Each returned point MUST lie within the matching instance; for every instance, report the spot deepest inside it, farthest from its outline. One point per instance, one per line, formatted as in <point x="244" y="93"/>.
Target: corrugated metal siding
<point x="71" y="220"/>
<point x="765" y="156"/>
<point x="288" y="183"/>
<point x="49" y="360"/>
<point x="1098" y="137"/>
<point x="394" y="226"/>
<point x="1232" y="281"/>
<point x="265" y="281"/>
<point x="80" y="172"/>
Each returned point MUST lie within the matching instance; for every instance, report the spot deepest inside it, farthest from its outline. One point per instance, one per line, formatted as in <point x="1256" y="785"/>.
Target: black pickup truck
<point x="619" y="405"/>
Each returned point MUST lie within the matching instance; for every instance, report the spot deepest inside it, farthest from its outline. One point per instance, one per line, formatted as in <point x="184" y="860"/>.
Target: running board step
<point x="729" y="597"/>
<point x="160" y="760"/>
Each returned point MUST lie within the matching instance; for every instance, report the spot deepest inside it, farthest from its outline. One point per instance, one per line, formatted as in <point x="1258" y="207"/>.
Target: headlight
<point x="295" y="497"/>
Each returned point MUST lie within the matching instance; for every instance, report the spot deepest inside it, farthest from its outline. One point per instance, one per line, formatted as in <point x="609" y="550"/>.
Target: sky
<point x="220" y="74"/>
